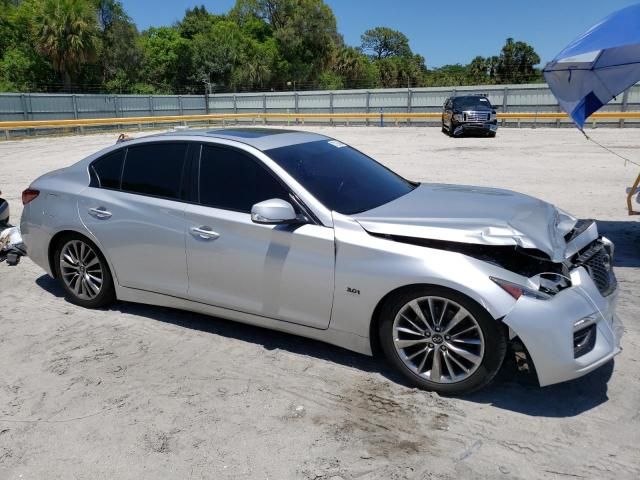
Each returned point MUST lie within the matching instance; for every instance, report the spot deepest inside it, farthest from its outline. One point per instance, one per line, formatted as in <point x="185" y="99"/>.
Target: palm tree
<point x="67" y="35"/>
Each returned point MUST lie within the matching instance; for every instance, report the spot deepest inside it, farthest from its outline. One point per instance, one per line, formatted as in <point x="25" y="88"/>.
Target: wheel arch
<point x="374" y="335"/>
<point x="61" y="235"/>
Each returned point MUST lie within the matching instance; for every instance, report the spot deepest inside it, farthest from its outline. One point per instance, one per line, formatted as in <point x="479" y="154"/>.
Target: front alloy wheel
<point x="439" y="339"/>
<point x="442" y="340"/>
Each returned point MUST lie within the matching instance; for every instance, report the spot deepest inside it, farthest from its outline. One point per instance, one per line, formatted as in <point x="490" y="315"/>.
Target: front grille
<point x="597" y="261"/>
<point x="584" y="340"/>
<point x="476" y="116"/>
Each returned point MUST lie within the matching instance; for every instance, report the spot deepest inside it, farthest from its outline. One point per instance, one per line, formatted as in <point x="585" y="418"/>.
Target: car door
<point x="134" y="209"/>
<point x="284" y="272"/>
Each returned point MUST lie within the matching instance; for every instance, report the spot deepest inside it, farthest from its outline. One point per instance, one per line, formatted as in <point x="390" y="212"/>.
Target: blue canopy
<point x="598" y="65"/>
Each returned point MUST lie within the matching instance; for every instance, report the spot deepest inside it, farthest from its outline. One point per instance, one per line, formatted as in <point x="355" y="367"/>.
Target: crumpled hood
<point x="479" y="215"/>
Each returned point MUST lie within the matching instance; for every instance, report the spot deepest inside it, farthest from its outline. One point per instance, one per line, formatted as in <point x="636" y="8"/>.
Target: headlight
<point x="517" y="291"/>
<point x="458" y="117"/>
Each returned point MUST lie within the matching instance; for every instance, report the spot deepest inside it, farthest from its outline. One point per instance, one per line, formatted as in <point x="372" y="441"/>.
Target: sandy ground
<point x="139" y="392"/>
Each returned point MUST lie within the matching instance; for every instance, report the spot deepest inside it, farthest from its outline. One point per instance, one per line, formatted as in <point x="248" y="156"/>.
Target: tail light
<point x="29" y="195"/>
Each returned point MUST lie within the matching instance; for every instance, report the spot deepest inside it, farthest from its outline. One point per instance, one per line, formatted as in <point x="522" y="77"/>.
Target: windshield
<point x="471" y="102"/>
<point x="339" y="176"/>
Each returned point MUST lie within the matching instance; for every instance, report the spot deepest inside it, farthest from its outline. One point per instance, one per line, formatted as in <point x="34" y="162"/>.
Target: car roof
<point x="261" y="138"/>
<point x="470" y="95"/>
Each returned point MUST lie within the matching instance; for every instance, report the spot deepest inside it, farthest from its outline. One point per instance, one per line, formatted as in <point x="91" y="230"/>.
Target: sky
<point x="442" y="31"/>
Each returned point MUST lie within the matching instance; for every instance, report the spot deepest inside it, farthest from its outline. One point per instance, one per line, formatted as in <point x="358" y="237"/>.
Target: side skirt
<point x="347" y="340"/>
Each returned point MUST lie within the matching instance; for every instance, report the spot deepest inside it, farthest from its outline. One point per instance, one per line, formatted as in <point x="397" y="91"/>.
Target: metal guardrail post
<point x="623" y="106"/>
<point x="25" y="112"/>
<point x="505" y="104"/>
<point x="331" y="107"/>
<point x="409" y="100"/>
<point x="264" y="108"/>
<point x="74" y="101"/>
<point x="368" y="99"/>
<point x="151" y="110"/>
<point x="181" y="107"/>
<point x="381" y="118"/>
<point x="235" y="106"/>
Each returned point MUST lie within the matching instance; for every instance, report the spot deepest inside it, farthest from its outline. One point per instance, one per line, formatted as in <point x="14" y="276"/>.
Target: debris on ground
<point x="12" y="247"/>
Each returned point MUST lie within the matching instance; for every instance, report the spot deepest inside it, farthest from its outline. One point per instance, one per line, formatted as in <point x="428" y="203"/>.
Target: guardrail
<point x="298" y="118"/>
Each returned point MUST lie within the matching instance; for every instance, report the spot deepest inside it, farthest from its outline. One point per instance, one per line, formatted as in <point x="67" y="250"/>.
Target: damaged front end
<point x="582" y="247"/>
<point x="563" y="311"/>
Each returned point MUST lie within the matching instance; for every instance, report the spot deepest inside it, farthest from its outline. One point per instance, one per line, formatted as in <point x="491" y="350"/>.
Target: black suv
<point x="469" y="114"/>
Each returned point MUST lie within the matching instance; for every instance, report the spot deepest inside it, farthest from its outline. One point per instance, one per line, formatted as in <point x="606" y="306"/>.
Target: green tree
<point x="408" y="71"/>
<point x="218" y="52"/>
<point x="383" y="42"/>
<point x="259" y="64"/>
<point x="448" y="75"/>
<point x="516" y="62"/>
<point x="119" y="54"/>
<point x="356" y="69"/>
<point x="67" y="35"/>
<point x="483" y="70"/>
<point x="305" y="32"/>
<point x="22" y="67"/>
<point x="197" y="20"/>
<point x="167" y="59"/>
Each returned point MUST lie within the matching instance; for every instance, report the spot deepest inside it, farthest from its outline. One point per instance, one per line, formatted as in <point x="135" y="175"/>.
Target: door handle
<point x="204" y="233"/>
<point x="100" y="212"/>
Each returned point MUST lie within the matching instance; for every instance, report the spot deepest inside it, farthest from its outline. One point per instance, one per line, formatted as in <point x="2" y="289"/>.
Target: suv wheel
<point x="441" y="340"/>
<point x="83" y="272"/>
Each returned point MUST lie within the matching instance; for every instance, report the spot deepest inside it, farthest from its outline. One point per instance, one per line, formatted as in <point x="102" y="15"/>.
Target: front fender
<point x="368" y="268"/>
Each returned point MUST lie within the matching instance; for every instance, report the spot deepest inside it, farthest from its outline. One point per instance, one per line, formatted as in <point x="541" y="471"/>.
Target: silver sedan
<point x="301" y="233"/>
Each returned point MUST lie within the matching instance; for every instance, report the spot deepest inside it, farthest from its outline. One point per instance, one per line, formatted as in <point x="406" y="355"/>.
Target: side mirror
<point x="273" y="212"/>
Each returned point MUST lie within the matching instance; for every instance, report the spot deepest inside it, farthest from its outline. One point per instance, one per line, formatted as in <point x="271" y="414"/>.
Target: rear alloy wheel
<point x="441" y="340"/>
<point x="84" y="273"/>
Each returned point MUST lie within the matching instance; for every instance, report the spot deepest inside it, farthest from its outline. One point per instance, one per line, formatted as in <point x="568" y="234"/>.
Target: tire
<point x="452" y="130"/>
<point x="465" y="363"/>
<point x="83" y="272"/>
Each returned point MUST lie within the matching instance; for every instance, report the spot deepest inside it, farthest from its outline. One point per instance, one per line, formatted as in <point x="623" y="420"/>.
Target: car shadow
<point x="511" y="390"/>
<point x="626" y="237"/>
<point x="519" y="392"/>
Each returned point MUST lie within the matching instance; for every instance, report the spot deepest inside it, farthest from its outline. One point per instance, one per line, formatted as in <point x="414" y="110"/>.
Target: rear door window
<point x="232" y="180"/>
<point x="155" y="169"/>
<point x="106" y="171"/>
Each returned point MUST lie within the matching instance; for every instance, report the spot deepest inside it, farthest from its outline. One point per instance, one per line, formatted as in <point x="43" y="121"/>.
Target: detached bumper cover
<point x="547" y="327"/>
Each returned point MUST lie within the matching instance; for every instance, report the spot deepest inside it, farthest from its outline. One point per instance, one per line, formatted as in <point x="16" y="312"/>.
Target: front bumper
<point x="547" y="327"/>
<point x="479" y="126"/>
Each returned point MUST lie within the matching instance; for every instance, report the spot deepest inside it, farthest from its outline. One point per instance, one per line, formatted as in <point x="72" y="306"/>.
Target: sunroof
<point x="247" y="132"/>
